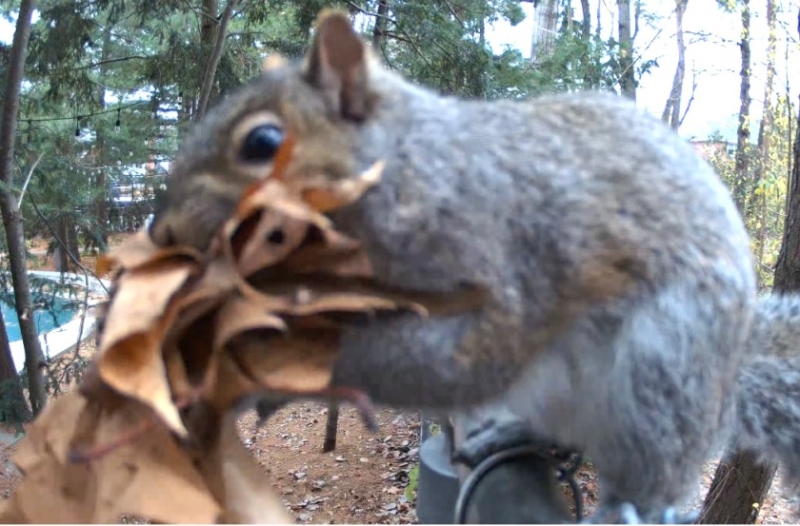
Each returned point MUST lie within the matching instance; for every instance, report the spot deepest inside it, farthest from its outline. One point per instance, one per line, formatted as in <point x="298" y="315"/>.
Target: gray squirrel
<point x="624" y="319"/>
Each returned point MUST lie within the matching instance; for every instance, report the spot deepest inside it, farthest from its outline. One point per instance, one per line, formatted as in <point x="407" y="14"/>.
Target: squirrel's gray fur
<point x="624" y="318"/>
<point x="768" y="394"/>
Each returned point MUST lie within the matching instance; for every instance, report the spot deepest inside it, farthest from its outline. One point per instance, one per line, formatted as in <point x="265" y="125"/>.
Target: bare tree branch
<point x="213" y="63"/>
<point x="28" y="179"/>
<point x="691" y="96"/>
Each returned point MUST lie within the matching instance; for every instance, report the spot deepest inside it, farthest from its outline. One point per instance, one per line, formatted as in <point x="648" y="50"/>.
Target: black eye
<point x="276" y="237"/>
<point x="262" y="143"/>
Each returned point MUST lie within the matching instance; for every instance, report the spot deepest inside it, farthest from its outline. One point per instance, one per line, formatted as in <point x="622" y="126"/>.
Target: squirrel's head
<point x="322" y="99"/>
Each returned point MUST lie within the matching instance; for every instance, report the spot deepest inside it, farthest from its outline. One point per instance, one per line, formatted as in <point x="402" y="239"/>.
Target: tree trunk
<point x="741" y="483"/>
<point x="758" y="199"/>
<point x="586" y="28"/>
<point x="208" y="24"/>
<point x="627" y="80"/>
<point x="544" y="29"/>
<point x="66" y="252"/>
<point x="672" y="109"/>
<point x="586" y="38"/>
<point x="12" y="398"/>
<point x="742" y="163"/>
<point x="331" y="427"/>
<point x="380" y="24"/>
<point x="12" y="219"/>
<point x="100" y="179"/>
<point x="599" y="12"/>
<point x="209" y="10"/>
<point x="60" y="257"/>
<point x="213" y="62"/>
<point x="787" y="269"/>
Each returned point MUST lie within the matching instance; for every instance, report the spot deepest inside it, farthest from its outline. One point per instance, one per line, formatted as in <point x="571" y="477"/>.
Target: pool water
<point x="47" y="319"/>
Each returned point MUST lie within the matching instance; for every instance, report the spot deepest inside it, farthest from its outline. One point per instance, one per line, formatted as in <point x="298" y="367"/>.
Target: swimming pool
<point x="53" y="313"/>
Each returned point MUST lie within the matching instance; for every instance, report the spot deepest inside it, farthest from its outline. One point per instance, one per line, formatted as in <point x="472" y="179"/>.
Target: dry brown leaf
<point x="307" y="302"/>
<point x="177" y="376"/>
<point x="272" y="239"/>
<point x="218" y="280"/>
<point x="141" y="299"/>
<point x="301" y="363"/>
<point x="291" y="297"/>
<point x="49" y="478"/>
<point x="313" y="293"/>
<point x="342" y="193"/>
<point x="157" y="473"/>
<point x="128" y="480"/>
<point x="140" y="250"/>
<point x="130" y="358"/>
<point x="240" y="314"/>
<point x="329" y="252"/>
<point x="276" y="197"/>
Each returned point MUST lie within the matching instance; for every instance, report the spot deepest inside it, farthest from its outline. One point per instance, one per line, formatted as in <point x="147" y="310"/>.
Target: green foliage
<point x="764" y="213"/>
<point x="727" y="5"/>
<point x="511" y="11"/>
<point x="413" y="483"/>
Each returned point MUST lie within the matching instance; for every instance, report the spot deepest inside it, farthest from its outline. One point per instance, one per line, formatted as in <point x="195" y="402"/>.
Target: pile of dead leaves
<point x="186" y="337"/>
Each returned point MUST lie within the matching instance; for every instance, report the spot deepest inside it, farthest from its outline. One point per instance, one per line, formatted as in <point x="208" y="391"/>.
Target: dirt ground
<point x="365" y="480"/>
<point x="362" y="481"/>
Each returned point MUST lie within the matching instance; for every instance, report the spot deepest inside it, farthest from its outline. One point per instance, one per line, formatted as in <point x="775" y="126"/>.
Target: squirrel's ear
<point x="337" y="66"/>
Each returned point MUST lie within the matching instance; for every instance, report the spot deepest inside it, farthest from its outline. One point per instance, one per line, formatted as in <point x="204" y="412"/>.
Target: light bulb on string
<point x="180" y="97"/>
<point x="78" y="126"/>
<point x="117" y="124"/>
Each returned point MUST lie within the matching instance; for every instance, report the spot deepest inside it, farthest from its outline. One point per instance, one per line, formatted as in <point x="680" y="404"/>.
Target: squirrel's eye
<point x="262" y="143"/>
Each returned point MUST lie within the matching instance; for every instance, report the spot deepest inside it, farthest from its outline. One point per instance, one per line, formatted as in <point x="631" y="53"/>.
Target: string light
<point x="78" y="126"/>
<point x="103" y="112"/>
<point x="117" y="124"/>
<point x="180" y="97"/>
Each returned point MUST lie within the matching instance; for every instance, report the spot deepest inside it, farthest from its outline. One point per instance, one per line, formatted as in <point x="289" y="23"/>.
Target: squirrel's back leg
<point x="640" y="387"/>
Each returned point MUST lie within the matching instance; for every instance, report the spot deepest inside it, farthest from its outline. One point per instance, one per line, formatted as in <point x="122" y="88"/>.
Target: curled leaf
<point x="291" y="363"/>
<point x="56" y="490"/>
<point x="342" y="193"/>
<point x="242" y="314"/>
<point x="140" y="250"/>
<point x="130" y="359"/>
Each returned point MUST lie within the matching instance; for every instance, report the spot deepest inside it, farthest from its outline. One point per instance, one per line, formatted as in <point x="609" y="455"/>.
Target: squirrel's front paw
<point x="492" y="434"/>
<point x="626" y="513"/>
<point x="623" y="513"/>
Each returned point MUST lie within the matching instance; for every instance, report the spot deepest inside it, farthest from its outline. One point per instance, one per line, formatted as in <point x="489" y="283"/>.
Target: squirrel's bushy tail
<point x="768" y="399"/>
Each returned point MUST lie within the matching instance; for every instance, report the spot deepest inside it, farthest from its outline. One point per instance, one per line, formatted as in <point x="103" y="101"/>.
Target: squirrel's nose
<point x="192" y="222"/>
<point x="160" y="232"/>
